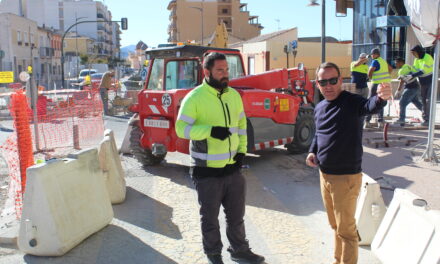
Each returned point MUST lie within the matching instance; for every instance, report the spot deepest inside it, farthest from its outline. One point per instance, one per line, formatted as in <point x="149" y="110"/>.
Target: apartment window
<point x="26" y="39"/>
<point x="224" y="11"/>
<point x="19" y="37"/>
<point x="32" y="39"/>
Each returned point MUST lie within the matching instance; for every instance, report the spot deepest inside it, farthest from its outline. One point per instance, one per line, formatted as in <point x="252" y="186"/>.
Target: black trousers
<point x="373" y="92"/>
<point x="229" y="191"/>
<point x="425" y="90"/>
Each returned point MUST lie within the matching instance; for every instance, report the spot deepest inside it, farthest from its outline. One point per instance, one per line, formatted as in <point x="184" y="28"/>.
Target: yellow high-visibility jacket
<point x="382" y="75"/>
<point x="203" y="108"/>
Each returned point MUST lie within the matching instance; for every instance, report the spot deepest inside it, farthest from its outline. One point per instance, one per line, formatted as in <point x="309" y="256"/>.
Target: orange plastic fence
<point x="9" y="150"/>
<point x="66" y="120"/>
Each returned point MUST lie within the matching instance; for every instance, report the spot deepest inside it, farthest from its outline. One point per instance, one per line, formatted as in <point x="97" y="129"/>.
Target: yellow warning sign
<point x="7" y="77"/>
<point x="284" y="105"/>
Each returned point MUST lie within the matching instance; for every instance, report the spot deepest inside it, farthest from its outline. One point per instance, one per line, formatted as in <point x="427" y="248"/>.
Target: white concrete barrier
<point x="65" y="202"/>
<point x="370" y="210"/>
<point x="111" y="166"/>
<point x="125" y="147"/>
<point x="409" y="232"/>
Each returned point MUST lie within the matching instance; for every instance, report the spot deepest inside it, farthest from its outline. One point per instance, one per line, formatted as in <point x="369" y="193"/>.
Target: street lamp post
<point x="314" y="3"/>
<point x="76" y="43"/>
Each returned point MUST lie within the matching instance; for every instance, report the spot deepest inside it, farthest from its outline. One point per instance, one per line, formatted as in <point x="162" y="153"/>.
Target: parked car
<point x="84" y="73"/>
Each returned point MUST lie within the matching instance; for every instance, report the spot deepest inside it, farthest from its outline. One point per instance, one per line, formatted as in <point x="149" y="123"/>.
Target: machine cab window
<point x="181" y="74"/>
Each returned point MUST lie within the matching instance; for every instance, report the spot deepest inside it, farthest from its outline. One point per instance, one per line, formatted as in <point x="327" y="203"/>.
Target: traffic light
<point x="124" y="23"/>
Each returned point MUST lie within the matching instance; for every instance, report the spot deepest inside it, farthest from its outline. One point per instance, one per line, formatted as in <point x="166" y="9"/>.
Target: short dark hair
<point x="399" y="59"/>
<point x="210" y="58"/>
<point x="328" y="65"/>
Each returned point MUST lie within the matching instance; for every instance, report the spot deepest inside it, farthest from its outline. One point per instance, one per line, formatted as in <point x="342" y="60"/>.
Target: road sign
<point x="144" y="73"/>
<point x="7" y="77"/>
<point x="294" y="44"/>
<point x="24" y="76"/>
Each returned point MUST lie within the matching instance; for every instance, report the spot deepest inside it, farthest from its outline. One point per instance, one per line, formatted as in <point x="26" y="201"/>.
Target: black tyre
<point x="143" y="155"/>
<point x="304" y="132"/>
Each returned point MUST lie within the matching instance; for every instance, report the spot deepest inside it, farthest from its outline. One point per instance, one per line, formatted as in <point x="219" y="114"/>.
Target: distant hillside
<point x="125" y="50"/>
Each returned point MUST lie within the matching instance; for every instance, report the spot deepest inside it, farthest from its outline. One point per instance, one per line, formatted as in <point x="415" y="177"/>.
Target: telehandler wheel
<point x="143" y="155"/>
<point x="303" y="134"/>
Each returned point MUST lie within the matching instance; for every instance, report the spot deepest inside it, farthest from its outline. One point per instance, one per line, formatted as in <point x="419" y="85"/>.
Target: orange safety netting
<point x="66" y="120"/>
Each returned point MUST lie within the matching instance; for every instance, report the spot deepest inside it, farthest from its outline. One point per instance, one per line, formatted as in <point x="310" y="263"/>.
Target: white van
<point x="84" y="73"/>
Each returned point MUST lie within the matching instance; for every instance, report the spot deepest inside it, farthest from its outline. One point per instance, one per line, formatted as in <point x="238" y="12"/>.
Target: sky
<point x="148" y="19"/>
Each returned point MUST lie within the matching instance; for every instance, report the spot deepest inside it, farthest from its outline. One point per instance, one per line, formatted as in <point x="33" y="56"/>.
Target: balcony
<point x="172" y="27"/>
<point x="172" y="4"/>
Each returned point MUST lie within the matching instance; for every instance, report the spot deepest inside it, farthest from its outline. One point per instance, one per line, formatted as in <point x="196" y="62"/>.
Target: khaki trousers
<point x="339" y="194"/>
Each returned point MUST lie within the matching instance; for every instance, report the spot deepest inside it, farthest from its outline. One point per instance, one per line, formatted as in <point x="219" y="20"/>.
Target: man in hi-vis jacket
<point x="213" y="118"/>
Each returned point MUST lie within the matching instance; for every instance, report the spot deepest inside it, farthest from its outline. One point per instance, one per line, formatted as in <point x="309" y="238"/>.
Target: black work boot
<point x="246" y="256"/>
<point x="214" y="259"/>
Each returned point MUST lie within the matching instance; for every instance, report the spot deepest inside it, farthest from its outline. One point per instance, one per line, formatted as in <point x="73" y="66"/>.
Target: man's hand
<point x="239" y="159"/>
<point x="311" y="160"/>
<point x="384" y="91"/>
<point x="220" y="132"/>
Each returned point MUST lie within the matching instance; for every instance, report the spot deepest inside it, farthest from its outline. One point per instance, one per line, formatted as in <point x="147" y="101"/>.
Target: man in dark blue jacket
<point x="337" y="150"/>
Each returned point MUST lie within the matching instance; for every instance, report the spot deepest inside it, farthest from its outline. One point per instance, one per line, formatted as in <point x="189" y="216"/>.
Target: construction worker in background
<point x="87" y="81"/>
<point x="410" y="86"/>
<point x="379" y="72"/>
<point x="423" y="66"/>
<point x="212" y="117"/>
<point x="359" y="74"/>
<point x="104" y="86"/>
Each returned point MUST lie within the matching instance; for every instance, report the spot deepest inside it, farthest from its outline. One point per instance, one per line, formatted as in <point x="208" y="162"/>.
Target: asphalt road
<point x="285" y="218"/>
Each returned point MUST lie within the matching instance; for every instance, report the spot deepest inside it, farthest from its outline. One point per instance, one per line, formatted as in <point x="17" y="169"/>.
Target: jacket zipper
<point x="226" y="121"/>
<point x="229" y="115"/>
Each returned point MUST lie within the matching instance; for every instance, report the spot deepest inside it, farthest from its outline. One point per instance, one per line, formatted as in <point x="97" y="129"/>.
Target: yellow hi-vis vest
<point x="424" y="64"/>
<point x="363" y="68"/>
<point x="382" y="75"/>
<point x="203" y="108"/>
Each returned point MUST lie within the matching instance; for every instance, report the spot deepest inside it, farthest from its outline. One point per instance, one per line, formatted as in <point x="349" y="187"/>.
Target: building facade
<point x="18" y="40"/>
<point x="44" y="12"/>
<point x="102" y="32"/>
<point x="187" y="15"/>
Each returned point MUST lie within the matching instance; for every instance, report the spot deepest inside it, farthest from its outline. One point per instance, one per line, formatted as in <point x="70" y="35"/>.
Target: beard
<point x="218" y="84"/>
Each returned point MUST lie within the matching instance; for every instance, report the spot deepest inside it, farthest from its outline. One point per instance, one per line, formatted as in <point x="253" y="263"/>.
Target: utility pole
<point x="123" y="22"/>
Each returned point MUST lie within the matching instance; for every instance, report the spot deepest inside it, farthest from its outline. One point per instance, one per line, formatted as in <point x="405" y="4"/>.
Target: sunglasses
<point x="332" y="81"/>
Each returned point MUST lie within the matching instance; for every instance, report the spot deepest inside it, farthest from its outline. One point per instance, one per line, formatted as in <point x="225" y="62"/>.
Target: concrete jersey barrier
<point x="111" y="166"/>
<point x="370" y="210"/>
<point x="409" y="232"/>
<point x="65" y="202"/>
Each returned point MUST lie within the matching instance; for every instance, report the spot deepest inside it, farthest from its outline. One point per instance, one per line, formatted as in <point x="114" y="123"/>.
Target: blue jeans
<point x="373" y="92"/>
<point x="411" y="95"/>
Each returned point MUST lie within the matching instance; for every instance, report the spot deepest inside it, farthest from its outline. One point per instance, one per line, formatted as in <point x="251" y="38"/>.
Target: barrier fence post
<point x="76" y="137"/>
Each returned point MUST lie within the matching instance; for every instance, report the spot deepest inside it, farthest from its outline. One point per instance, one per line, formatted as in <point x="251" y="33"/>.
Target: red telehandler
<point x="278" y="103"/>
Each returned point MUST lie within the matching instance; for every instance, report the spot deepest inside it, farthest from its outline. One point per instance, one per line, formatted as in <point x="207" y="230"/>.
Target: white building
<point x="44" y="12"/>
<point x="80" y="10"/>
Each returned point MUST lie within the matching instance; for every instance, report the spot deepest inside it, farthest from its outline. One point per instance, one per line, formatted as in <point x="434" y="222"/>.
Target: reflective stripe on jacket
<point x="363" y="68"/>
<point x="425" y="65"/>
<point x="382" y="75"/>
<point x="406" y="70"/>
<point x="203" y="108"/>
